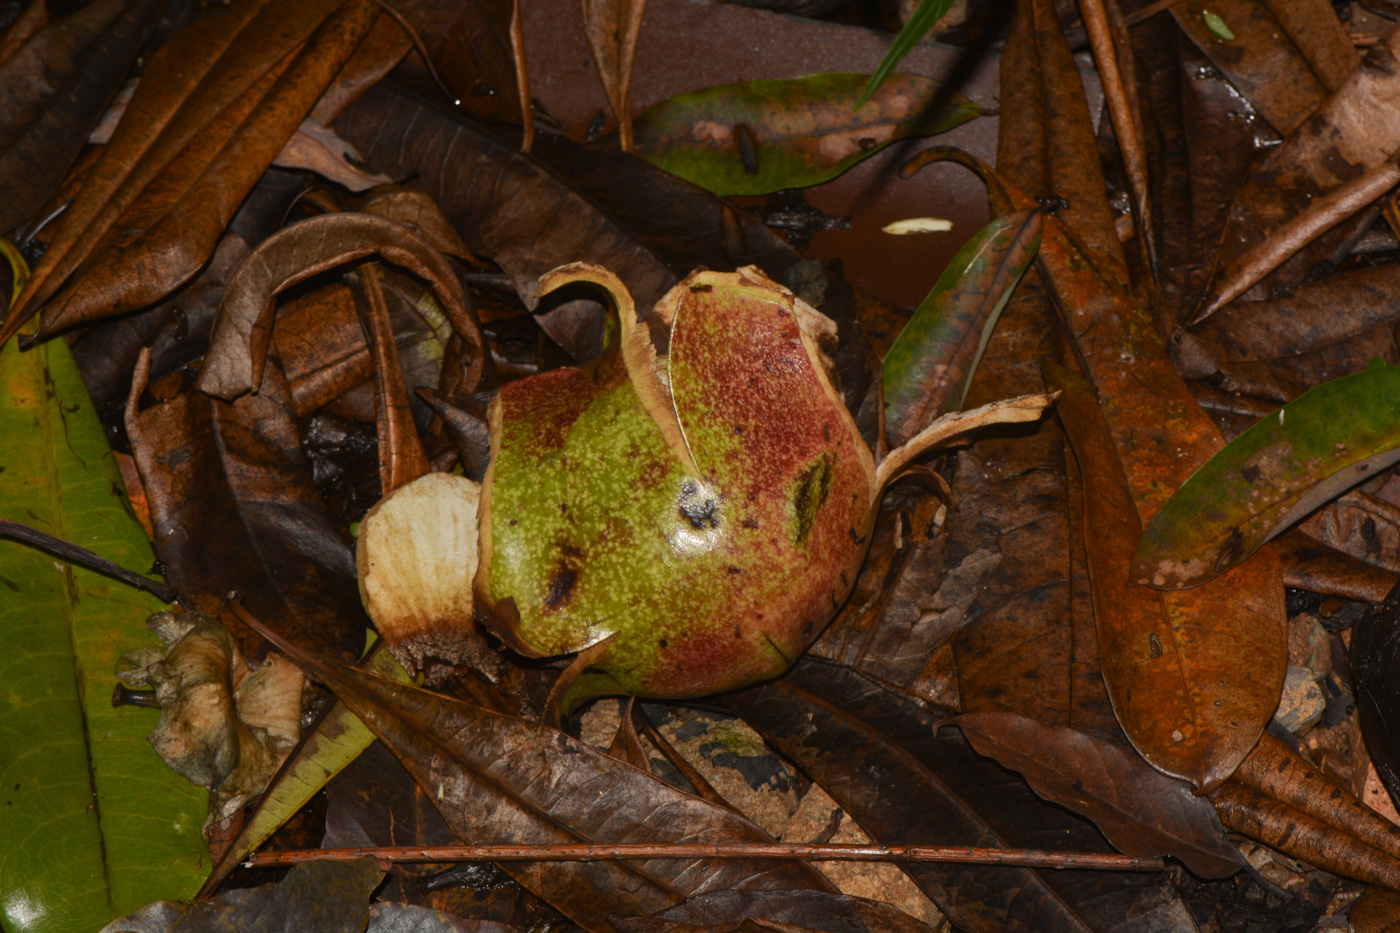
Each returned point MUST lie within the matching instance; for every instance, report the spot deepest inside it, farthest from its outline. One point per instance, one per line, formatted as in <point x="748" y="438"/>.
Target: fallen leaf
<point x="507" y="207"/>
<point x="1256" y="54"/>
<point x="95" y="824"/>
<point x="238" y="349"/>
<point x="757" y="137"/>
<point x="1351" y="131"/>
<point x="1180" y="691"/>
<point x="35" y="159"/>
<point x="612" y="27"/>
<point x="495" y="777"/>
<point x="1270" y="477"/>
<point x="209" y="65"/>
<point x="235" y="510"/>
<point x="929" y="368"/>
<point x="329" y="897"/>
<point x="1140" y="811"/>
<point x="130" y="275"/>
<point x="961" y="799"/>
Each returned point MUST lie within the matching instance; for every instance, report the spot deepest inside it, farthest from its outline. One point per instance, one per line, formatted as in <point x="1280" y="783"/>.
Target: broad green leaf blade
<point x="920" y="24"/>
<point x="337" y="740"/>
<point x="1271" y="476"/>
<point x="930" y="365"/>
<point x="92" y="823"/>
<point x="757" y="137"/>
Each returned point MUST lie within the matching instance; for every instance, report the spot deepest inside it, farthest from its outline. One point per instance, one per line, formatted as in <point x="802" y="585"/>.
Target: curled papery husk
<point x="416" y="557"/>
<point x="222" y="725"/>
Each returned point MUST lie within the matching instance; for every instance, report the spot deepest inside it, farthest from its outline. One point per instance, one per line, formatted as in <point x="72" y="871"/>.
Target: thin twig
<point x="1025" y="858"/>
<point x="1317" y="218"/>
<point x="1125" y="120"/>
<point x="81" y="556"/>
<point x="522" y="77"/>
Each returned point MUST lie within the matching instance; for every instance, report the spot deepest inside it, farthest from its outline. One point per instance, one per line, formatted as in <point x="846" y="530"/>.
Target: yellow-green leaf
<point x="92" y="823"/>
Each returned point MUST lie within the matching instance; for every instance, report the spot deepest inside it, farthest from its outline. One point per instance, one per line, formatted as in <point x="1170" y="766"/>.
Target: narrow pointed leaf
<point x="757" y="137"/>
<point x="173" y="248"/>
<point x="918" y="26"/>
<point x="32" y="167"/>
<point x="930" y="367"/>
<point x="209" y="64"/>
<point x="324" y="752"/>
<point x="1140" y="811"/>
<point x="1273" y="475"/>
<point x="496" y="778"/>
<point x="94" y="824"/>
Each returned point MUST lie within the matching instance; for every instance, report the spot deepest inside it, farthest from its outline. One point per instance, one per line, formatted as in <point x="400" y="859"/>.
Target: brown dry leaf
<point x="172" y="249"/>
<point x="235" y="510"/>
<point x="315" y="148"/>
<point x="498" y="778"/>
<point x="1251" y="813"/>
<point x="1223" y="641"/>
<point x="612" y="27"/>
<point x="1140" y="811"/>
<point x="45" y="117"/>
<point x="421" y="212"/>
<point x="1313" y="316"/>
<point x="401" y="456"/>
<point x="1192" y="698"/>
<point x="950" y="794"/>
<point x="243" y="333"/>
<point x="34" y="18"/>
<point x="1318" y="33"/>
<point x="1354" y="130"/>
<point x="507" y="207"/>
<point x="1321" y="215"/>
<point x="385" y="46"/>
<point x="1276" y="770"/>
<point x="208" y="65"/>
<point x="1260" y="61"/>
<point x="1047" y="131"/>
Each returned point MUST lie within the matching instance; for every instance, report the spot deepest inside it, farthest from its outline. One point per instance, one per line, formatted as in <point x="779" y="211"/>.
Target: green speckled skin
<point x="706" y="582"/>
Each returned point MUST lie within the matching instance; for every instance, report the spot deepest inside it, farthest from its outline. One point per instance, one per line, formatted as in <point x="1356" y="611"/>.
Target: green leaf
<point x="929" y="367"/>
<point x="757" y="137"/>
<point x="337" y="740"/>
<point x="920" y="24"/>
<point x="1271" y="476"/>
<point x="92" y="823"/>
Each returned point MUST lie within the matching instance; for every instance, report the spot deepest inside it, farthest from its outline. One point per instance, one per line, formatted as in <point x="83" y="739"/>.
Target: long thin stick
<point x="76" y="554"/>
<point x="1025" y="858"/>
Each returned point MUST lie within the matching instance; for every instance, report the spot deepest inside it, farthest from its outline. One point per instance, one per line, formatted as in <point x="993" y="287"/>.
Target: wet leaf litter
<point x="608" y="474"/>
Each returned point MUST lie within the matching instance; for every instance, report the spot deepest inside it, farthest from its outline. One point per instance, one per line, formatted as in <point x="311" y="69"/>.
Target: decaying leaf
<point x="498" y="778"/>
<point x="223" y="725"/>
<point x="930" y="367"/>
<point x="1271" y="476"/>
<point x="761" y="136"/>
<point x="329" y="897"/>
<point x="1140" y="811"/>
<point x="612" y="27"/>
<point x="238" y="349"/>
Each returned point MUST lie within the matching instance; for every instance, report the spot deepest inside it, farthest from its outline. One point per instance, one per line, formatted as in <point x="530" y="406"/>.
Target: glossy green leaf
<point x="92" y="823"/>
<point x="1271" y="476"/>
<point x="930" y="365"/>
<point x="919" y="25"/>
<point x="337" y="740"/>
<point x="757" y="137"/>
